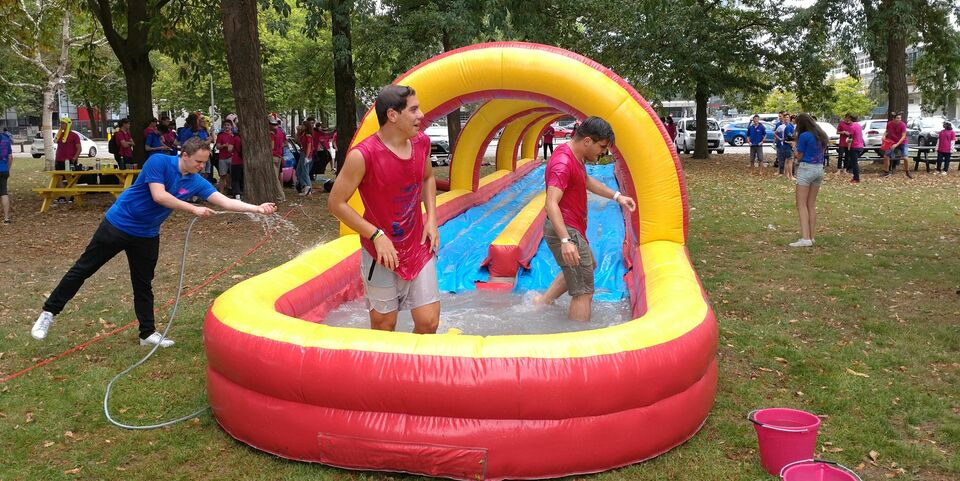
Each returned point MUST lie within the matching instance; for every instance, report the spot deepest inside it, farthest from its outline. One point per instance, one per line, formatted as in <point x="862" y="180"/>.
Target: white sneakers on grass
<point x="40" y="328"/>
<point x="802" y="243"/>
<point x="156" y="339"/>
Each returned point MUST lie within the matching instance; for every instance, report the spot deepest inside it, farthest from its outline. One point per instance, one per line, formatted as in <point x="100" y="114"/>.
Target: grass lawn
<point x="861" y="329"/>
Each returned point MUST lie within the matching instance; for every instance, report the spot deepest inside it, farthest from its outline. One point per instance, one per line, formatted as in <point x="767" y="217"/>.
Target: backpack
<point x="112" y="146"/>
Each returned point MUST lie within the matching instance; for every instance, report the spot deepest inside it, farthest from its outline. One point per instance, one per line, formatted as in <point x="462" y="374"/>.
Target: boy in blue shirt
<point x="757" y="133"/>
<point x="132" y="225"/>
<point x="6" y="162"/>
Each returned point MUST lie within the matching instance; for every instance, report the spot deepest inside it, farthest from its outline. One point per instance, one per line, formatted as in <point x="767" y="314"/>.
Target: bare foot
<point x="541" y="301"/>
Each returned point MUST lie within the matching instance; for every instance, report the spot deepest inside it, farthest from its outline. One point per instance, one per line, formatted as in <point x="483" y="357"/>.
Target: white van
<point x="687" y="134"/>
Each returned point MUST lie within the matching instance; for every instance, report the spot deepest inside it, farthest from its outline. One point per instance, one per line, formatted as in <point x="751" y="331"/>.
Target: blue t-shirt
<point x="6" y="150"/>
<point x="756" y="134"/>
<point x="811" y="150"/>
<point x="153" y="140"/>
<point x="136" y="213"/>
<point x="788" y="131"/>
<point x="184" y="133"/>
<point x="776" y="127"/>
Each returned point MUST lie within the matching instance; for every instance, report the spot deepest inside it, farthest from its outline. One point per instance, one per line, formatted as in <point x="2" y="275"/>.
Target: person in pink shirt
<point x="855" y="132"/>
<point x="945" y="147"/>
<point x="322" y="157"/>
<point x="548" y="135"/>
<point x="896" y="139"/>
<point x="125" y="144"/>
<point x="566" y="224"/>
<point x="68" y="146"/>
<point x="278" y="139"/>
<point x="843" y="145"/>
<point x="391" y="169"/>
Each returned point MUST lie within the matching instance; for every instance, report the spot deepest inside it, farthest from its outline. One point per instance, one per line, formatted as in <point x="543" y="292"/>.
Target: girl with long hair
<point x="810" y="150"/>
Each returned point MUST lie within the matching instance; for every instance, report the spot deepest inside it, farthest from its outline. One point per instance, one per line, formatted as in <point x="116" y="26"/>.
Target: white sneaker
<point x="42" y="325"/>
<point x="802" y="243"/>
<point x="155" y="339"/>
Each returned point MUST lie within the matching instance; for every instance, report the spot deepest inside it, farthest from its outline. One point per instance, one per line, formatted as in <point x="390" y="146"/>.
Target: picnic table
<point x="74" y="189"/>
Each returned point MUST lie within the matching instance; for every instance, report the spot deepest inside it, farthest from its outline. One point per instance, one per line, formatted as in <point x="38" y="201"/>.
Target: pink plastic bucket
<point x="784" y="436"/>
<point x="817" y="470"/>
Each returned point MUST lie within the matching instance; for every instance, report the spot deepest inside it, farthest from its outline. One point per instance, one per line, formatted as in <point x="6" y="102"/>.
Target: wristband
<point x="376" y="233"/>
<point x="615" y="196"/>
<point x="565" y="240"/>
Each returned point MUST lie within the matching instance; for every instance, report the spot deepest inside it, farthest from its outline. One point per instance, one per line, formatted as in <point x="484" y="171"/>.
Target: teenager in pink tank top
<point x="391" y="171"/>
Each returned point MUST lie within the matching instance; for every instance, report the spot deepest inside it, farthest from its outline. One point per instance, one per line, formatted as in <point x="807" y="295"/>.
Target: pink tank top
<point x="391" y="190"/>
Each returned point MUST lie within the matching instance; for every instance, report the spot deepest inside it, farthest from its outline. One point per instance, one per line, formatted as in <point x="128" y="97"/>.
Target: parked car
<point x="86" y="145"/>
<point x="736" y="133"/>
<point x="873" y="132"/>
<point x="562" y="131"/>
<point x="831" y="132"/>
<point x="439" y="143"/>
<point x="686" y="135"/>
<point x="928" y="129"/>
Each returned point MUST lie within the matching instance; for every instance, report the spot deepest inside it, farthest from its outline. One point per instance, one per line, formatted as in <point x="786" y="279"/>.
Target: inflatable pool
<point x="470" y="406"/>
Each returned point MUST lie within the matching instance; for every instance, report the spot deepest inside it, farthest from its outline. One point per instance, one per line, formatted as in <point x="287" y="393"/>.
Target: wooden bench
<point x="65" y="183"/>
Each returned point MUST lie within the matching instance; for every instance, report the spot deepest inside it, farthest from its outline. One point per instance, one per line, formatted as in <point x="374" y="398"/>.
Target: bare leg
<point x="905" y="160"/>
<point x="580" y="307"/>
<point x="886" y="163"/>
<point x="5" y="200"/>
<point x="426" y="318"/>
<point x="383" y="322"/>
<point x="812" y="209"/>
<point x="802" y="194"/>
<point x="556" y="289"/>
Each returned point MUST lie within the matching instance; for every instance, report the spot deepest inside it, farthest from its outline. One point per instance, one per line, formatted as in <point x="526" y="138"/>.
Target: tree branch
<point x="21" y="84"/>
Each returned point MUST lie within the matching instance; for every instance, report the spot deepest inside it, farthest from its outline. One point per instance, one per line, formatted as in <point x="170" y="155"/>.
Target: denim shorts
<point x="809" y="174"/>
<point x="898" y="152"/>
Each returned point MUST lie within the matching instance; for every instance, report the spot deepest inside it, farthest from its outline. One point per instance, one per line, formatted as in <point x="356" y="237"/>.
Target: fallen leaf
<point x="780" y="360"/>
<point x="29" y="417"/>
<point x="48" y="444"/>
<point x="855" y="373"/>
<point x="73" y="471"/>
<point x="874" y="455"/>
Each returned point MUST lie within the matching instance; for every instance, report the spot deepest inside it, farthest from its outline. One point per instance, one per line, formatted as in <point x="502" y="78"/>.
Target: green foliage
<point x="850" y="98"/>
<point x="781" y="101"/>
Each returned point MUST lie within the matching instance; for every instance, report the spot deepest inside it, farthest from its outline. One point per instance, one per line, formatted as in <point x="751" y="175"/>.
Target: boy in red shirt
<point x="68" y="146"/>
<point x="894" y="145"/>
<point x="392" y="171"/>
<point x="279" y="138"/>
<point x="548" y="135"/>
<point x="566" y="205"/>
<point x="125" y="143"/>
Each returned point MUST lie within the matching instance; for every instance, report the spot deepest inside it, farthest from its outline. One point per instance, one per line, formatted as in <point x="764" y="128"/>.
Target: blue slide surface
<point x="465" y="239"/>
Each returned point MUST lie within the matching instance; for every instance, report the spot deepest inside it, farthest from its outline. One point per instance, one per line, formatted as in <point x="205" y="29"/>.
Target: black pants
<point x="547" y="145"/>
<point x="236" y="179"/>
<point x="843" y="158"/>
<point x="853" y="162"/>
<point x="944" y="158"/>
<point x="125" y="162"/>
<point x="107" y="242"/>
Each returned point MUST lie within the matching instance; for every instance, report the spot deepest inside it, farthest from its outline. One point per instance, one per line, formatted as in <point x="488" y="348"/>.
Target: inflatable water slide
<point x="475" y="406"/>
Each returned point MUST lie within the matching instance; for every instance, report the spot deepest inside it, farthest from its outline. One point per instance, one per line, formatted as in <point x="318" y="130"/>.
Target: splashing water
<point x="489" y="313"/>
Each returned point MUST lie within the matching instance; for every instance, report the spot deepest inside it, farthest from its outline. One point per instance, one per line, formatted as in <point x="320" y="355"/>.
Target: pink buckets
<point x="784" y="436"/>
<point x="817" y="470"/>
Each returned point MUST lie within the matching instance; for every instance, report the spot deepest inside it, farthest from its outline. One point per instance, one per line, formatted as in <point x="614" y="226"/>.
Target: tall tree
<point x="243" y="60"/>
<point x="686" y="48"/>
<point x="39" y="34"/>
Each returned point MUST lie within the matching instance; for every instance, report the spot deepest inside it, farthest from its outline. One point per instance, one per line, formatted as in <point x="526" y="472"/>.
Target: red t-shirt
<point x="124" y="137"/>
<point x="237" y="158"/>
<point x="946" y="140"/>
<point x="307" y="143"/>
<point x="279" y="138"/>
<point x="895" y="130"/>
<point x="568" y="174"/>
<point x="548" y="134"/>
<point x="169" y="139"/>
<point x="843" y="128"/>
<point x="321" y="140"/>
<point x="391" y="190"/>
<point x="224" y="138"/>
<point x="68" y="149"/>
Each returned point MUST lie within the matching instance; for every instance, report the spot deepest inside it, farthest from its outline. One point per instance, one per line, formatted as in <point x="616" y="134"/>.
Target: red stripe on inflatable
<point x="506" y="260"/>
<point x="489" y="388"/>
<point x="313" y="299"/>
<point x="517" y="448"/>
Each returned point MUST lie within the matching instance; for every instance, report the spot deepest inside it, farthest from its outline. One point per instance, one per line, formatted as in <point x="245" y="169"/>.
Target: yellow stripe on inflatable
<point x="514" y="231"/>
<point x="473" y="139"/>
<point x="532" y="135"/>
<point x="248" y="307"/>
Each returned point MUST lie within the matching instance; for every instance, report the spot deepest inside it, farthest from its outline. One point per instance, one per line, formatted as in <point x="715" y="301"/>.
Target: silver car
<point x="928" y="129"/>
<point x="873" y="132"/>
<point x="687" y="135"/>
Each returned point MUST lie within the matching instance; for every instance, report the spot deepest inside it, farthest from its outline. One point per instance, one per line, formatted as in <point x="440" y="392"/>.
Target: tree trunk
<point x="344" y="79"/>
<point x="46" y="124"/>
<point x="94" y="127"/>
<point x="453" y="118"/>
<point x="897" y="98"/>
<point x="139" y="74"/>
<point x="700" y="149"/>
<point x="104" y="122"/>
<point x="261" y="183"/>
<point x="324" y="118"/>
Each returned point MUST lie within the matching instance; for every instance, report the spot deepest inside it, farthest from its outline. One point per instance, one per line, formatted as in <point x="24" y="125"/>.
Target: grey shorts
<point x="580" y="277"/>
<point x="386" y="292"/>
<point x="223" y="166"/>
<point x="809" y="174"/>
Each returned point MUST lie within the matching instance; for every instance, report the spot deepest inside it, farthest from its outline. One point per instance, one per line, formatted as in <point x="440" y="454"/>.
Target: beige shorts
<point x="386" y="292"/>
<point x="580" y="277"/>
